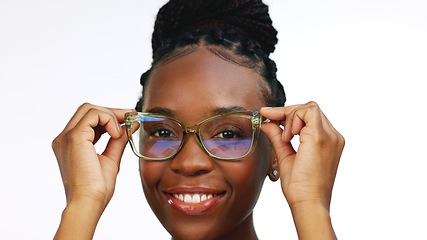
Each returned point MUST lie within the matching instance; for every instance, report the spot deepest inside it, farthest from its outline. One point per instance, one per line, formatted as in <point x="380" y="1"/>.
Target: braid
<point x="239" y="31"/>
<point x="249" y="17"/>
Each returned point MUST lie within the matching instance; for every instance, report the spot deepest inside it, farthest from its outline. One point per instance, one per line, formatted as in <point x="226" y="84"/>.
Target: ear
<point x="273" y="171"/>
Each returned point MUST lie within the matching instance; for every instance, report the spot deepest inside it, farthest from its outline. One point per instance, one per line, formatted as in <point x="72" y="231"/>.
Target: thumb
<point x="116" y="147"/>
<point x="283" y="149"/>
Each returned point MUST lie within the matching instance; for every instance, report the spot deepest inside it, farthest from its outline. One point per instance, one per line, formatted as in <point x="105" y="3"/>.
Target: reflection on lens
<point x="227" y="137"/>
<point x="159" y="149"/>
<point x="228" y="149"/>
<point x="157" y="137"/>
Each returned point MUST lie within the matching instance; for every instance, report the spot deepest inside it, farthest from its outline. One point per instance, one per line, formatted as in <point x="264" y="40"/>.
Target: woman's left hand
<point x="307" y="175"/>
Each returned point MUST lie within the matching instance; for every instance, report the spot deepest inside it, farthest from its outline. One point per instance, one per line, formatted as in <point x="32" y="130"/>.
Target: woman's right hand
<point x="89" y="178"/>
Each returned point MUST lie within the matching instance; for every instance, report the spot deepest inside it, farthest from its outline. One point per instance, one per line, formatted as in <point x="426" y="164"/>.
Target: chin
<point x="194" y="230"/>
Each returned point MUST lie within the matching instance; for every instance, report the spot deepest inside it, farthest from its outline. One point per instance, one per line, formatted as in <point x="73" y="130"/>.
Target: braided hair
<point x="239" y="31"/>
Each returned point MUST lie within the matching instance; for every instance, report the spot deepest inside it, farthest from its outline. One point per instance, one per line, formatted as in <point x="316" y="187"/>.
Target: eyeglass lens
<point x="226" y="137"/>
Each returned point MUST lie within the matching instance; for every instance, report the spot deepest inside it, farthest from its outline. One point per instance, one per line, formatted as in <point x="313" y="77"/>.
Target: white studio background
<point x="364" y="62"/>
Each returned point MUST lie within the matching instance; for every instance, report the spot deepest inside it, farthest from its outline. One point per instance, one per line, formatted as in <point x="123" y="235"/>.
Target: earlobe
<point x="274" y="175"/>
<point x="273" y="172"/>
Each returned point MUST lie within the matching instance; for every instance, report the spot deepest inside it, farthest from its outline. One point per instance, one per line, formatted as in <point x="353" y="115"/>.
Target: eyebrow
<point x="163" y="111"/>
<point x="224" y="110"/>
<point x="216" y="111"/>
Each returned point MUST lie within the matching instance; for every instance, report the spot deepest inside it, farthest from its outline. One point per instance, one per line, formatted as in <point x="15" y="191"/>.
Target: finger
<point x="318" y="126"/>
<point x="277" y="113"/>
<point x="274" y="134"/>
<point x="115" y="148"/>
<point x="93" y="118"/>
<point x="308" y="115"/>
<point x="296" y="117"/>
<point x="297" y="125"/>
<point x="120" y="117"/>
<point x="280" y="115"/>
<point x="285" y="153"/>
<point x="112" y="155"/>
<point x="292" y="123"/>
<point x="84" y="108"/>
<point x="287" y="130"/>
<point x="78" y="115"/>
<point x="120" y="113"/>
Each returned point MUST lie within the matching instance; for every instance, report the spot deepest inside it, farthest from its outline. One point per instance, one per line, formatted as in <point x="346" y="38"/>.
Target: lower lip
<point x="193" y="208"/>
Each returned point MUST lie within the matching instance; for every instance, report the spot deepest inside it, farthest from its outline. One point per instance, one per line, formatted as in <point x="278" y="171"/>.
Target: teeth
<point x="188" y="198"/>
<point x="193" y="198"/>
<point x="196" y="198"/>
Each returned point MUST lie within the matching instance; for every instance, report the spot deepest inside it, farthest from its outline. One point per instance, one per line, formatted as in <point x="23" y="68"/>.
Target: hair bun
<point x="248" y="17"/>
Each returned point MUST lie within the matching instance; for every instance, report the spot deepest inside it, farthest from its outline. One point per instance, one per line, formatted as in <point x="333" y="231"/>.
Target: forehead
<point x="195" y="85"/>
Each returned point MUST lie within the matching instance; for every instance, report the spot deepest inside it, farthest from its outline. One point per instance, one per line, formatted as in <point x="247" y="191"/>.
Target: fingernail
<point x="266" y="108"/>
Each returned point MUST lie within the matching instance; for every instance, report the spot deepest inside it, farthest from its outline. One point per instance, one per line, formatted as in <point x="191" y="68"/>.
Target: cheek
<point x="254" y="174"/>
<point x="151" y="172"/>
<point x="247" y="178"/>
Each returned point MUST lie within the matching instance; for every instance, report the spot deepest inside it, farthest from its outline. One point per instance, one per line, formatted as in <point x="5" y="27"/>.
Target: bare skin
<point x="89" y="179"/>
<point x="192" y="89"/>
<point x="306" y="175"/>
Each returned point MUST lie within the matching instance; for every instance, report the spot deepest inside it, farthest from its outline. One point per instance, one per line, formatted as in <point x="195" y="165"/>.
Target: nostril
<point x="200" y="172"/>
<point x="190" y="173"/>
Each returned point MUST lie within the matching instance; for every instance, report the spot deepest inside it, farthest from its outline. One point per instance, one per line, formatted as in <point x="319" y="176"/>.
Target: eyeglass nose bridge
<point x="192" y="129"/>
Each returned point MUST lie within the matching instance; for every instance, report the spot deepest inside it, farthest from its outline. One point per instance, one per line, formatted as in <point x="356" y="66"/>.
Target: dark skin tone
<point x="191" y="89"/>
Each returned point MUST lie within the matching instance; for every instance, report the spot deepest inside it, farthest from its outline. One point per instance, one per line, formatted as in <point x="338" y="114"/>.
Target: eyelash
<point x="156" y="132"/>
<point x="237" y="133"/>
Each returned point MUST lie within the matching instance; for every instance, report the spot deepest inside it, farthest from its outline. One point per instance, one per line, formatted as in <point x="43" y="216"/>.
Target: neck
<point x="245" y="230"/>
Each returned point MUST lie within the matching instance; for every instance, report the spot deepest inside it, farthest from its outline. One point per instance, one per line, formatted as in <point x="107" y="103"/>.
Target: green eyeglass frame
<point x="256" y="119"/>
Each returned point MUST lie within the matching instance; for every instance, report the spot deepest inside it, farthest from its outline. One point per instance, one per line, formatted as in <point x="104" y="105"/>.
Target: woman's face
<point x="190" y="89"/>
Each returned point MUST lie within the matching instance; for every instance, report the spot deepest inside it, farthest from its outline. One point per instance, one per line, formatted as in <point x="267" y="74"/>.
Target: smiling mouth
<point x="194" y="197"/>
<point x="193" y="201"/>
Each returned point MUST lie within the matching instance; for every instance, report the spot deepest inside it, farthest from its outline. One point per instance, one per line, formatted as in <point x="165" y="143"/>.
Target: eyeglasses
<point x="227" y="137"/>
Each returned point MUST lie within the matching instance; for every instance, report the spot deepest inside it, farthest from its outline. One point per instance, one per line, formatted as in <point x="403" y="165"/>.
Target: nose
<point x="192" y="160"/>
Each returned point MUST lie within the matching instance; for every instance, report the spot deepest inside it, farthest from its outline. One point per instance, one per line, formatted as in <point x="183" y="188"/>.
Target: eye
<point x="162" y="133"/>
<point x="227" y="134"/>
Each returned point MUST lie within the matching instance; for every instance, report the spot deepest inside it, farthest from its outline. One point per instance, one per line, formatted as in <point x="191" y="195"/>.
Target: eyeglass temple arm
<point x="265" y="120"/>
